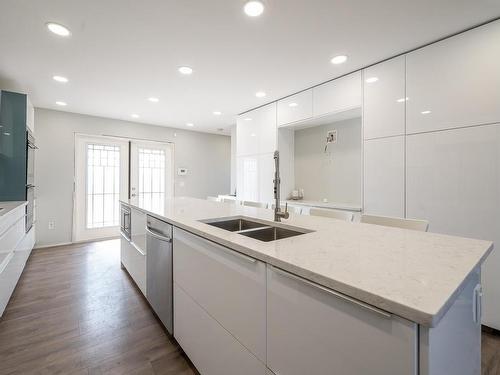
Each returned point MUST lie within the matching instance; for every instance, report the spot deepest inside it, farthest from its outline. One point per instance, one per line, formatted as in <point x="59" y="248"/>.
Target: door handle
<point x="341" y="296"/>
<point x="157" y="236"/>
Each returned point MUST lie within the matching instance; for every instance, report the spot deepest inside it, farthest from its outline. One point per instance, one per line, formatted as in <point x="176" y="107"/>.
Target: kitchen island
<point x="339" y="298"/>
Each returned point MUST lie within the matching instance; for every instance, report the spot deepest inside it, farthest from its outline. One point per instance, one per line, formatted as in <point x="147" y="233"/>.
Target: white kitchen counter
<point x="7" y="207"/>
<point x="411" y="274"/>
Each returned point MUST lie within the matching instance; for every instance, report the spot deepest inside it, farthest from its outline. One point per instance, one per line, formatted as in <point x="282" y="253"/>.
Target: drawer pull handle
<point x="333" y="293"/>
<point x="157" y="236"/>
<point x="237" y="254"/>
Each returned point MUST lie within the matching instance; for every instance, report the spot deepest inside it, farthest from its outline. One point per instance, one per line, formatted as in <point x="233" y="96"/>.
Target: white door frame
<point x="80" y="232"/>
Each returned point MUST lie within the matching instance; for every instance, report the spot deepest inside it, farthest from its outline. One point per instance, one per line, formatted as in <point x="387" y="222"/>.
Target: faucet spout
<point x="278" y="214"/>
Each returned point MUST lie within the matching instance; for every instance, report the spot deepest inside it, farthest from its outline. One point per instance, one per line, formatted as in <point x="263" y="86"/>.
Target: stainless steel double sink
<point x="260" y="230"/>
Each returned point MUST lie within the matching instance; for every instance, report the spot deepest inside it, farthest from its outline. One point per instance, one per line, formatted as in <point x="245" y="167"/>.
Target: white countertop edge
<point x="9" y="206"/>
<point x="425" y="318"/>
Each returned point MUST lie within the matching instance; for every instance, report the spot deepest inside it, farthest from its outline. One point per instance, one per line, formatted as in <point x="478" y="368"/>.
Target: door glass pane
<point x="103" y="179"/>
<point x="151" y="187"/>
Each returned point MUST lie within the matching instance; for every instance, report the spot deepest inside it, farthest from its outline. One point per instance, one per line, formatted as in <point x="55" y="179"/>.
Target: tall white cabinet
<point x="384" y="142"/>
<point x="256" y="141"/>
<point x="453" y="180"/>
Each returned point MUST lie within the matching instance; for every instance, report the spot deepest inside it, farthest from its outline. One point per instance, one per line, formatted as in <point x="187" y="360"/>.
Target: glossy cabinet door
<point x="295" y="108"/>
<point x="457" y="80"/>
<point x="266" y="178"/>
<point x="12" y="146"/>
<point x="211" y="348"/>
<point x="247" y="178"/>
<point x="453" y="180"/>
<point x="256" y="131"/>
<point x="134" y="261"/>
<point x="30" y="115"/>
<point x="384" y="99"/>
<point x="384" y="176"/>
<point x="254" y="176"/>
<point x="310" y="331"/>
<point x="339" y="95"/>
<point x="230" y="286"/>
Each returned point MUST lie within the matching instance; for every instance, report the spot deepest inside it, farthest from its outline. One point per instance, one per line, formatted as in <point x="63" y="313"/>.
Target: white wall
<point x="336" y="174"/>
<point x="207" y="157"/>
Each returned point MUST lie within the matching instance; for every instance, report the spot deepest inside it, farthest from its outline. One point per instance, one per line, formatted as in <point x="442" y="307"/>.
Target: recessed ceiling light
<point x="371" y="79"/>
<point x="217" y="113"/>
<point x="61" y="103"/>
<point x="260" y="94"/>
<point x="190" y="124"/>
<point x="153" y="99"/>
<point x="58" y="29"/>
<point x="402" y="100"/>
<point x="247" y="119"/>
<point x="293" y="104"/>
<point x="425" y="112"/>
<point x="339" y="59"/>
<point x="253" y="8"/>
<point x="134" y="115"/>
<point x="253" y="135"/>
<point x="60" y="79"/>
<point x="186" y="70"/>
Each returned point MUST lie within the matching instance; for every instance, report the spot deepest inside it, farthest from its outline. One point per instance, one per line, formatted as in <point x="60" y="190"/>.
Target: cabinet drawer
<point x="135" y="263"/>
<point x="212" y="349"/>
<point x="230" y="286"/>
<point x="310" y="328"/>
<point x="339" y="95"/>
<point x="12" y="234"/>
<point x="295" y="108"/>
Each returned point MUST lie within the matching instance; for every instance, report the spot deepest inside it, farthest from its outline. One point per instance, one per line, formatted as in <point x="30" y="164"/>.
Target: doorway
<point x="103" y="178"/>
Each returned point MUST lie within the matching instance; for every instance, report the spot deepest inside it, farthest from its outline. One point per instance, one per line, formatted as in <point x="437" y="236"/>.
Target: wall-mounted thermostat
<point x="182" y="171"/>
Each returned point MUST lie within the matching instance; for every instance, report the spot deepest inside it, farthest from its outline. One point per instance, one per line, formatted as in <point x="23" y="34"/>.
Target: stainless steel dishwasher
<point x="159" y="270"/>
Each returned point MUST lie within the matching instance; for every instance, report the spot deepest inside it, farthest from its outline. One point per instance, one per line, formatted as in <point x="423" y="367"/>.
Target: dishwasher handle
<point x="158" y="236"/>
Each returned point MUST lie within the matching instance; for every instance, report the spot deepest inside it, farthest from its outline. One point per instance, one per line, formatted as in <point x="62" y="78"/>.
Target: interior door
<point x="151" y="174"/>
<point x="101" y="180"/>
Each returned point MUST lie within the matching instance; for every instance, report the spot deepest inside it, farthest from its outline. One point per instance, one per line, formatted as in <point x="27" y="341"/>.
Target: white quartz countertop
<point x="411" y="274"/>
<point x="6" y="207"/>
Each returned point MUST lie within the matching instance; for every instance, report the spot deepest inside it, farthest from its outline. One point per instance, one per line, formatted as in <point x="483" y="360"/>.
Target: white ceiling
<point x="123" y="51"/>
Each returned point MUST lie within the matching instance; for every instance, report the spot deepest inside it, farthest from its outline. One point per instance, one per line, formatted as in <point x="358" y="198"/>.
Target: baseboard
<point x="76" y="242"/>
<point x="491" y="331"/>
<point x="52" y="245"/>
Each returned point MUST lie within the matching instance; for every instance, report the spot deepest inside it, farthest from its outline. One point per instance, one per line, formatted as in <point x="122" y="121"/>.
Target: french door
<point x="151" y="174"/>
<point x="101" y="180"/>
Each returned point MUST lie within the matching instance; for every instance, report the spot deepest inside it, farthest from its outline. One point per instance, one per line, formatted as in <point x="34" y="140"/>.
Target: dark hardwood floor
<point x="75" y="311"/>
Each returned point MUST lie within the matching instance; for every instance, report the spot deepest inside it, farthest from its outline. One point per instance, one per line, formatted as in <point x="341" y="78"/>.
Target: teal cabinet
<point x="12" y="146"/>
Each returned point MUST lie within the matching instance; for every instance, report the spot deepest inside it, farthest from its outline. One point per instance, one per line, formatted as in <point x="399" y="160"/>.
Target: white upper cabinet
<point x="455" y="83"/>
<point x="384" y="99"/>
<point x="339" y="95"/>
<point x="255" y="175"/>
<point x="295" y="108"/>
<point x="256" y="131"/>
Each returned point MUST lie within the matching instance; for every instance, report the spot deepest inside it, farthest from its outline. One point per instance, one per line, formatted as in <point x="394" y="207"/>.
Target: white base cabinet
<point x="310" y="331"/>
<point x="134" y="261"/>
<point x="212" y="349"/>
<point x="229" y="286"/>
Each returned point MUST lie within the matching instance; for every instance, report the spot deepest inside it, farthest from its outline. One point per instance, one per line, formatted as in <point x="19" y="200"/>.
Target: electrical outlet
<point x="52" y="224"/>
